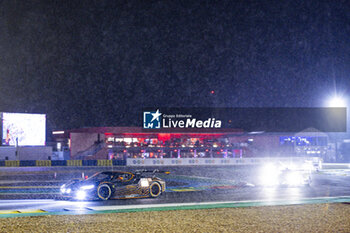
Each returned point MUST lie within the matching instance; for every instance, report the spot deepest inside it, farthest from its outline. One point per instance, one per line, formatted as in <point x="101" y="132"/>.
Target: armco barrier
<point x="43" y="163"/>
<point x="119" y="162"/>
<point x="58" y="163"/>
<point x="104" y="163"/>
<point x="62" y="163"/>
<point x="89" y="162"/>
<point x="216" y="161"/>
<point x="74" y="163"/>
<point x="12" y="163"/>
<point x="27" y="163"/>
<point x="155" y="162"/>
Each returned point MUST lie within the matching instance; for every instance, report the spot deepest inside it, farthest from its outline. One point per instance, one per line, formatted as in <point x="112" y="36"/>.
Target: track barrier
<point x="61" y="163"/>
<point x="219" y="161"/>
<point x="157" y="162"/>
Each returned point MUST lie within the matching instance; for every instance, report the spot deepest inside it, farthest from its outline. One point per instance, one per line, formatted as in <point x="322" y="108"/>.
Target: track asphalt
<point x="33" y="191"/>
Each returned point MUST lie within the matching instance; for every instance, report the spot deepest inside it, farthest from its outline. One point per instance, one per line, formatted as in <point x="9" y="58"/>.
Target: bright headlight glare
<point x="270" y="170"/>
<point x="308" y="167"/>
<point x="87" y="187"/>
<point x="294" y="178"/>
<point x="68" y="190"/>
<point x="144" y="183"/>
<point x="63" y="188"/>
<point x="80" y="195"/>
<point x="269" y="180"/>
<point x="269" y="175"/>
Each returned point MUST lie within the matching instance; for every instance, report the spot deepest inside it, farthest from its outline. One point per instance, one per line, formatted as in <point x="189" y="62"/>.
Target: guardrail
<point x="157" y="162"/>
<point x="64" y="163"/>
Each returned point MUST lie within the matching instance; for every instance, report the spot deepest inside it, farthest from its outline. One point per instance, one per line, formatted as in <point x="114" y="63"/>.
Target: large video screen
<point x="24" y="129"/>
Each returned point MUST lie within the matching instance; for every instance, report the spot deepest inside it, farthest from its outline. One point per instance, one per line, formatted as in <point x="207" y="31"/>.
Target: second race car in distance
<point x="282" y="175"/>
<point x="116" y="185"/>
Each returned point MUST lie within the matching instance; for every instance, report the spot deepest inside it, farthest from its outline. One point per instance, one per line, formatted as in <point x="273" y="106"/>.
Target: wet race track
<point x="38" y="188"/>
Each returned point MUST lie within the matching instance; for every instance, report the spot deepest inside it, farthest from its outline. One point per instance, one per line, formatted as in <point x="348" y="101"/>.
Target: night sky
<point x="98" y="63"/>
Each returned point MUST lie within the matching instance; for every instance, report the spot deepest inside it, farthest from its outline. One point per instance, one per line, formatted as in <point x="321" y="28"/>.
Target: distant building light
<point x="128" y="140"/>
<point x="59" y="146"/>
<point x="250" y="140"/>
<point x="110" y="139"/>
<point x="57" y="132"/>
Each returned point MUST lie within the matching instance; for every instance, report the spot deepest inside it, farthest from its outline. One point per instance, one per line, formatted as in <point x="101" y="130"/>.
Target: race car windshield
<point x="99" y="176"/>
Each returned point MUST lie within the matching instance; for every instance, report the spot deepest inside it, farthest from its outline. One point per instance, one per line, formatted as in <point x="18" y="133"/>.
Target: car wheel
<point x="155" y="190"/>
<point x="104" y="191"/>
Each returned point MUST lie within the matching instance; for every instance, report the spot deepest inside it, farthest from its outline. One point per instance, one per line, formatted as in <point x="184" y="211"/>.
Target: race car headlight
<point x="63" y="188"/>
<point x="144" y="183"/>
<point x="80" y="195"/>
<point x="86" y="187"/>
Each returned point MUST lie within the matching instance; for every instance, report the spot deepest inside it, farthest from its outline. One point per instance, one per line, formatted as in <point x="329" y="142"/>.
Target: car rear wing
<point x="151" y="171"/>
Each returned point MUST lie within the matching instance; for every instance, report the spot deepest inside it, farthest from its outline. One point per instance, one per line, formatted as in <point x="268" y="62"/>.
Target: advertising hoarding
<point x="23" y="129"/>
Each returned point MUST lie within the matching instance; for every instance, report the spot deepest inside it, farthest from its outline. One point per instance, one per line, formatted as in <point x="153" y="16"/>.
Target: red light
<point x="175" y="150"/>
<point x="206" y="150"/>
<point x="164" y="137"/>
<point x="212" y="92"/>
<point x="142" y="151"/>
<point x="158" y="150"/>
<point x="125" y="151"/>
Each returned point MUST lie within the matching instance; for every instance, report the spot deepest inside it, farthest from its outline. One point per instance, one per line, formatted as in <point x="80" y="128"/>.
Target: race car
<point x="274" y="175"/>
<point x="115" y="185"/>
